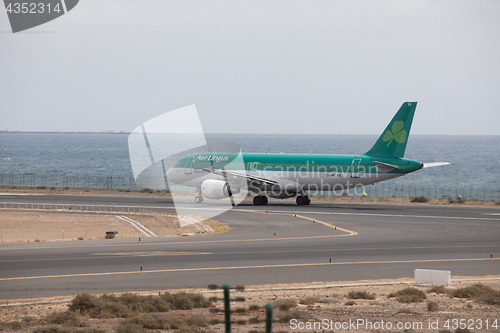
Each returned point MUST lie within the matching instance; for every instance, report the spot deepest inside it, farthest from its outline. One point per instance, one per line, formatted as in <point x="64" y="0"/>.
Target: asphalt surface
<point x="371" y="241"/>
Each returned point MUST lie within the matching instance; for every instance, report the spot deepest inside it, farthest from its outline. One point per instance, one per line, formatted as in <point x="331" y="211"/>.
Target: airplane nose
<point x="169" y="174"/>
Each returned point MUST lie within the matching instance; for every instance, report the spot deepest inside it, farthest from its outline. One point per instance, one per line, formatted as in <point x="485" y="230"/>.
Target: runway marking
<point x="173" y="243"/>
<point x="349" y="232"/>
<point x="292" y="212"/>
<point x="170" y="253"/>
<point x="144" y="254"/>
<point x="139" y="226"/>
<point x="383" y="215"/>
<point x="243" y="267"/>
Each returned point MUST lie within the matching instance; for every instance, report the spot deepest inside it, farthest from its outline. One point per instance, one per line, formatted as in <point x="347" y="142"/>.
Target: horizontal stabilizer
<point x="435" y="164"/>
<point x="385" y="166"/>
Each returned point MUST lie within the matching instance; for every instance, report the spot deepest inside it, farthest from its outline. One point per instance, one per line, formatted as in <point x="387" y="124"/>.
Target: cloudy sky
<point x="329" y="67"/>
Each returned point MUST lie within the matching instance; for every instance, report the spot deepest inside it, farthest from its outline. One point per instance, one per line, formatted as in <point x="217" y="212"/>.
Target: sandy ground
<point x="45" y="226"/>
<point x="330" y="305"/>
<point x="443" y="202"/>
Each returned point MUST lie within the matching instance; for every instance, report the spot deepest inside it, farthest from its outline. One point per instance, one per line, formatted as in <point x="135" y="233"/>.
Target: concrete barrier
<point x="432" y="276"/>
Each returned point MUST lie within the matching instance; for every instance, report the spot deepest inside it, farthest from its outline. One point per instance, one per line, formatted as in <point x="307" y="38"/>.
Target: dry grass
<point x="409" y="295"/>
<point x="285" y="317"/>
<point x="360" y="295"/>
<point x="285" y="304"/>
<point x="127" y="328"/>
<point x="432" y="306"/>
<point x="14" y="325"/>
<point x="311" y="300"/>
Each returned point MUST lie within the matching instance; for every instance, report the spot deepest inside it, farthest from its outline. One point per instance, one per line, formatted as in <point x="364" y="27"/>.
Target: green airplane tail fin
<point x="393" y="140"/>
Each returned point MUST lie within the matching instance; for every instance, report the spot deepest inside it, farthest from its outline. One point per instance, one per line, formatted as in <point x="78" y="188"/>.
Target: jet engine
<point x="217" y="189"/>
<point x="280" y="193"/>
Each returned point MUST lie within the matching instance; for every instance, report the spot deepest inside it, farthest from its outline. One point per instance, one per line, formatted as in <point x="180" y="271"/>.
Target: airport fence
<point x="117" y="182"/>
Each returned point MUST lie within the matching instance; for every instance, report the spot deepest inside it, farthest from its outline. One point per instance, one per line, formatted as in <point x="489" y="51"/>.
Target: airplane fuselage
<point x="306" y="172"/>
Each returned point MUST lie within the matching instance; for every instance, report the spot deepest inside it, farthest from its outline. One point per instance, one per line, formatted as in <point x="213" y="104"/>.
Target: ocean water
<point x="474" y="159"/>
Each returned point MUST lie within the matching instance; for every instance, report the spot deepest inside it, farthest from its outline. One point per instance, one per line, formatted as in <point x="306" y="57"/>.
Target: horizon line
<point x="209" y="133"/>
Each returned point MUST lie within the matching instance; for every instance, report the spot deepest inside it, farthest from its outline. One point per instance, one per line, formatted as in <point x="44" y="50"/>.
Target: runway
<point x="364" y="241"/>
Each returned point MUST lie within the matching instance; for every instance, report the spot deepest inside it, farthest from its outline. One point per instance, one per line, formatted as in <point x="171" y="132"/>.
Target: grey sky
<point x="330" y="67"/>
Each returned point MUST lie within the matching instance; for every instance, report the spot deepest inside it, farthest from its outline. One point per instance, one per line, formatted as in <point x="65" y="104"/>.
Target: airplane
<point x="220" y="175"/>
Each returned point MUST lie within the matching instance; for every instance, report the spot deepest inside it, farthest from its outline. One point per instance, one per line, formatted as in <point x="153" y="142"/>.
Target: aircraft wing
<point x="435" y="164"/>
<point x="235" y="177"/>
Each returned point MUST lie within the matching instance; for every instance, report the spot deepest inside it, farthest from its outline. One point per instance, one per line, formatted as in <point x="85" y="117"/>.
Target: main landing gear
<point x="260" y="200"/>
<point x="303" y="200"/>
<point x="199" y="198"/>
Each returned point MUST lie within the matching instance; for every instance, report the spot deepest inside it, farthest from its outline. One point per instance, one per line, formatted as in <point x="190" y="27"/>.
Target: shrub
<point x="420" y="199"/>
<point x="109" y="236"/>
<point x="462" y="330"/>
<point x="147" y="190"/>
<point x="50" y="329"/>
<point x="350" y="303"/>
<point x="438" y="290"/>
<point x="139" y="303"/>
<point x="360" y="295"/>
<point x="83" y="303"/>
<point x="128" y="304"/>
<point x="479" y="293"/>
<point x="497" y="203"/>
<point x="127" y="328"/>
<point x="66" y="318"/>
<point x="285" y="304"/>
<point x="80" y="238"/>
<point x="157" y="321"/>
<point x="109" y="306"/>
<point x="432" y="306"/>
<point x="186" y="301"/>
<point x="198" y="321"/>
<point x="308" y="300"/>
<point x="408" y="295"/>
<point x="28" y="319"/>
